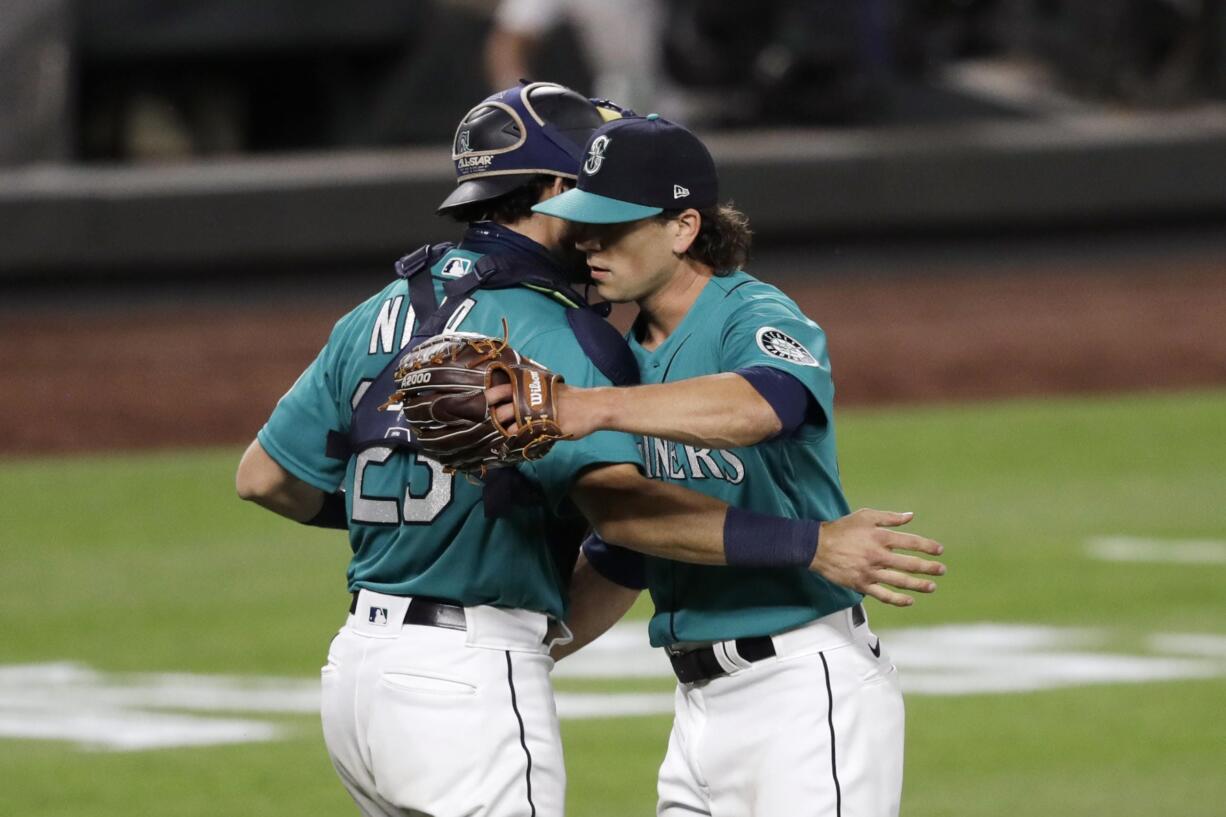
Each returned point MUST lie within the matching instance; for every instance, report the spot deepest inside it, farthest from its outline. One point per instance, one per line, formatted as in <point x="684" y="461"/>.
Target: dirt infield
<point x="152" y="375"/>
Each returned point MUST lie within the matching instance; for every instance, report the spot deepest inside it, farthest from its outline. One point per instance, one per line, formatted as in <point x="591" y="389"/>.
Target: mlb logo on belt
<point x="378" y="616"/>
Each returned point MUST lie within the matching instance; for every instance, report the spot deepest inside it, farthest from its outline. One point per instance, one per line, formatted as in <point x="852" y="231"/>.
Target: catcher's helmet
<point x="513" y="135"/>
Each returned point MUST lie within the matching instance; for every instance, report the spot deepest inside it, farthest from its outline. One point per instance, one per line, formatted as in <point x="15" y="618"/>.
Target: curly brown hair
<point x="723" y="239"/>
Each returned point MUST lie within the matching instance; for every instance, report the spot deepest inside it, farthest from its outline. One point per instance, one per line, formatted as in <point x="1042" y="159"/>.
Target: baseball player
<point x="436" y="695"/>
<point x="787" y="703"/>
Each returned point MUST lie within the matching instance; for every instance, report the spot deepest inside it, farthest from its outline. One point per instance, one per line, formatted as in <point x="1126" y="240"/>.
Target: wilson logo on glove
<point x="441" y="387"/>
<point x="535" y="398"/>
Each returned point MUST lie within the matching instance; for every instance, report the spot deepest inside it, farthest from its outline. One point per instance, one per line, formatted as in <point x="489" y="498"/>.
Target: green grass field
<point x="148" y="563"/>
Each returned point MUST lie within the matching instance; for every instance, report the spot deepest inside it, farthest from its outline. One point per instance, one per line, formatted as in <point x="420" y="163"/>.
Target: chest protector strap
<point x="368" y="426"/>
<point x="598" y="338"/>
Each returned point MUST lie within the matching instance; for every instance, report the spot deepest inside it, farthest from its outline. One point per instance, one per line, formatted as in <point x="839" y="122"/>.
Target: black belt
<point x="702" y="665"/>
<point x="426" y="612"/>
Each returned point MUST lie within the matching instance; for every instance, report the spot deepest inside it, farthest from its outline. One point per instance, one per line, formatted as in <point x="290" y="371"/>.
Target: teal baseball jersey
<point x="415" y="530"/>
<point x="737" y="322"/>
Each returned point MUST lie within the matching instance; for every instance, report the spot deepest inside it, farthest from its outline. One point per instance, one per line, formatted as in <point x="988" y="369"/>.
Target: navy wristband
<point x="754" y="539"/>
<point x="617" y="564"/>
<point x="332" y="513"/>
<point x="785" y="393"/>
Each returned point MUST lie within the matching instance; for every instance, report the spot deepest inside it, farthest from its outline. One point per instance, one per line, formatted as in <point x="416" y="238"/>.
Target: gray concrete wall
<point x="793" y="184"/>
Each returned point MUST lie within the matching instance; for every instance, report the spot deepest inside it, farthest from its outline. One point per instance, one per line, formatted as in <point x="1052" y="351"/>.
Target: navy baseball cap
<point x="635" y="168"/>
<point x="518" y="133"/>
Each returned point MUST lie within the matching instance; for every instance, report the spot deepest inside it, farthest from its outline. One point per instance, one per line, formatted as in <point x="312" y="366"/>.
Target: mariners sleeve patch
<point x="777" y="343"/>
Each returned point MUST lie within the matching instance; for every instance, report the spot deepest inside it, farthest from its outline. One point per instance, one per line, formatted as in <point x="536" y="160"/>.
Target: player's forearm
<point x="714" y="411"/>
<point x="596" y="604"/>
<point x="652" y="517"/>
<point x="262" y="480"/>
<point x="671" y="522"/>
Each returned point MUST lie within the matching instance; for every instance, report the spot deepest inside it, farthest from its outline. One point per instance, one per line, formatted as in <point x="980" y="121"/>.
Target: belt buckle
<point x="687" y="665"/>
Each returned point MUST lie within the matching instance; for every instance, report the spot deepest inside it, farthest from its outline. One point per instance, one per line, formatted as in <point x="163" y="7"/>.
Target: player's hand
<point x="574" y="418"/>
<point x="859" y="551"/>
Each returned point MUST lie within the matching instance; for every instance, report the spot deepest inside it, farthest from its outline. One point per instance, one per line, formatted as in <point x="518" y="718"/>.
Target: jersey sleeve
<point x="777" y="335"/>
<point x="557" y="471"/>
<point x="296" y="434"/>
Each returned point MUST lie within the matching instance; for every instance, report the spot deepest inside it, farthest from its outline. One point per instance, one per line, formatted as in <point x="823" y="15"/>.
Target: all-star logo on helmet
<point x="513" y="136"/>
<point x="595" y="155"/>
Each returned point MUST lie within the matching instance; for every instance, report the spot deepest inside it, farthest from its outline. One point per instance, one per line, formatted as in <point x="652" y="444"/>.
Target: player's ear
<point x="685" y="229"/>
<point x="557" y="188"/>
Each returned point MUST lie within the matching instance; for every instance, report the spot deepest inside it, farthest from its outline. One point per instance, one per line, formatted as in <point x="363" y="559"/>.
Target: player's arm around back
<point x="859" y="551"/>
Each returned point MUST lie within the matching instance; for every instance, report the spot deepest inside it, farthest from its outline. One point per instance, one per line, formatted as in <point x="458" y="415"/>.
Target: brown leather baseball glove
<point x="441" y="390"/>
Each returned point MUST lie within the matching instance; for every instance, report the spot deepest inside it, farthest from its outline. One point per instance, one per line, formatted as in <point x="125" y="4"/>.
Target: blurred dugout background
<point x="143" y="134"/>
<point x="132" y="80"/>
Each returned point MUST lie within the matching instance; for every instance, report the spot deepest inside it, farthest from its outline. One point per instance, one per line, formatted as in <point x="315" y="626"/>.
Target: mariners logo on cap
<point x="595" y="155"/>
<point x="781" y="345"/>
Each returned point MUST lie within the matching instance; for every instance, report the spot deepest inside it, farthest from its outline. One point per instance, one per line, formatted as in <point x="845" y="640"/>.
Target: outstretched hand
<point x="860" y="552"/>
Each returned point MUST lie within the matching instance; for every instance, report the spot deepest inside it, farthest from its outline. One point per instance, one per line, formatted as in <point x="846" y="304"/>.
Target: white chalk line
<point x="1157" y="551"/>
<point x="130" y="712"/>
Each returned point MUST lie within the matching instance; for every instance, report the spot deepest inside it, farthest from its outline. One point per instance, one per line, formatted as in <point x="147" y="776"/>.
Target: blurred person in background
<point x="785" y="62"/>
<point x="620" y="41"/>
<point x="714" y="62"/>
<point x="36" y="80"/>
<point x="1141" y="52"/>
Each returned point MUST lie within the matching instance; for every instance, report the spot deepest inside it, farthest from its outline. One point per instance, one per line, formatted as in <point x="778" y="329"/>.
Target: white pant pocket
<point x="425" y="683"/>
<point x="428" y="741"/>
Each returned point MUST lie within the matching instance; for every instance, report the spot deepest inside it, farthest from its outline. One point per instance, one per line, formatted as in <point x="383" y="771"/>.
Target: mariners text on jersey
<point x="738" y="322"/>
<point x="664" y="459"/>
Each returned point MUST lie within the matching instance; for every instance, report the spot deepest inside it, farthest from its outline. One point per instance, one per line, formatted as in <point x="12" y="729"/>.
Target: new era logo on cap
<point x="680" y="192"/>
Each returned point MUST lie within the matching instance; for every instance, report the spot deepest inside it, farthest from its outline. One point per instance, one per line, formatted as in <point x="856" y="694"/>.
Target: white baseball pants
<point x="421" y="720"/>
<point x="816" y="731"/>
